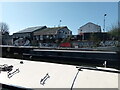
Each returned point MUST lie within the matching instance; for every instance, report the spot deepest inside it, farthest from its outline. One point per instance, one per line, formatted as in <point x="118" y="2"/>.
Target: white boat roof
<point x="61" y="76"/>
<point x="74" y="51"/>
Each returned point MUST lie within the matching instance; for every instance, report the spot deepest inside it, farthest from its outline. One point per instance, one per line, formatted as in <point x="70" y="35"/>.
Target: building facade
<point x="89" y="28"/>
<point x="41" y="34"/>
<point x="52" y="33"/>
<point x="26" y="35"/>
<point x="52" y="36"/>
<point x="28" y="32"/>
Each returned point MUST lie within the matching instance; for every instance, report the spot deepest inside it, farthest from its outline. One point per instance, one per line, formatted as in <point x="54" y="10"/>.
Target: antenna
<point x="59" y="23"/>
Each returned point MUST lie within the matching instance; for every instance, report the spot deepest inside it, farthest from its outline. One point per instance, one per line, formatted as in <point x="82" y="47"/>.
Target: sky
<point x="20" y="15"/>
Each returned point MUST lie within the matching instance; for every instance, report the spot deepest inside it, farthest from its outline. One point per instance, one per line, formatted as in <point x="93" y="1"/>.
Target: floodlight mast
<point x="104" y="22"/>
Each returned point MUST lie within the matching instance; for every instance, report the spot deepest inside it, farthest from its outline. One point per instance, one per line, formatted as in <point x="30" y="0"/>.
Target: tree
<point x="95" y="39"/>
<point x="4" y="33"/>
<point x="4" y="28"/>
<point x="115" y="32"/>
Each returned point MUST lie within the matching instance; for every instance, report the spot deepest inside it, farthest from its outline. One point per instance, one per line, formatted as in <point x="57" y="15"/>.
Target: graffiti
<point x="21" y="42"/>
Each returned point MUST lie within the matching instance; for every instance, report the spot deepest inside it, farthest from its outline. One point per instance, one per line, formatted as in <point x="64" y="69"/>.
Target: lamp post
<point x="104" y="27"/>
<point x="104" y="22"/>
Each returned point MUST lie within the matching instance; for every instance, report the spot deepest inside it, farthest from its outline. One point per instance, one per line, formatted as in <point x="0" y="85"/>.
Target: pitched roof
<point x="49" y="31"/>
<point x="89" y="23"/>
<point x="31" y="29"/>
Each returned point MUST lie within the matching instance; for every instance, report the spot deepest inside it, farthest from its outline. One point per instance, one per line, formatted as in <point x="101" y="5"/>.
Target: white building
<point x="89" y="28"/>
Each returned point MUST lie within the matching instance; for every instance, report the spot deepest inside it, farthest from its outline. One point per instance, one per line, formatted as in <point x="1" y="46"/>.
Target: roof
<point x="49" y="31"/>
<point x="89" y="23"/>
<point x="31" y="29"/>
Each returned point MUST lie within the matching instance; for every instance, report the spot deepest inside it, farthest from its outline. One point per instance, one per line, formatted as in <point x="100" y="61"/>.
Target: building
<point x="89" y="28"/>
<point x="41" y="34"/>
<point x="89" y="35"/>
<point x="26" y="36"/>
<point x="28" y="32"/>
<point x="52" y="33"/>
<point x="52" y="36"/>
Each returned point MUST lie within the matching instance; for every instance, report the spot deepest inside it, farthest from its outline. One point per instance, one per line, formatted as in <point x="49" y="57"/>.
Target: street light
<point x="104" y="28"/>
<point x="104" y="22"/>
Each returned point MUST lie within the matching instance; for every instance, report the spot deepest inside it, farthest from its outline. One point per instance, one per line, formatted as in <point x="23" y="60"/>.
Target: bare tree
<point x="4" y="28"/>
<point x="4" y="33"/>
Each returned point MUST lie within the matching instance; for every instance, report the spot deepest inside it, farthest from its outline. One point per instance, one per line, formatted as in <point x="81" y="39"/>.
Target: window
<point x="47" y="36"/>
<point x="41" y="37"/>
<point x="37" y="37"/>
